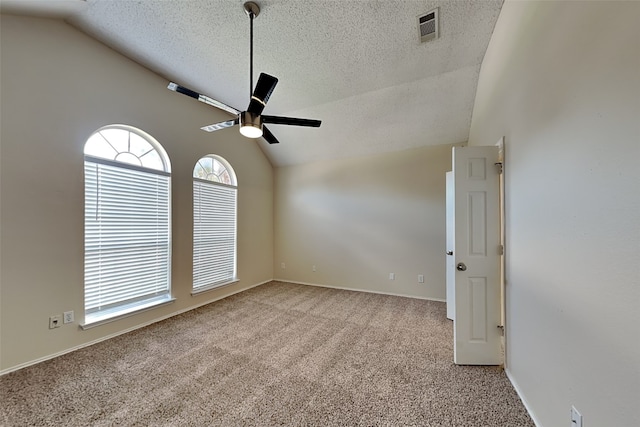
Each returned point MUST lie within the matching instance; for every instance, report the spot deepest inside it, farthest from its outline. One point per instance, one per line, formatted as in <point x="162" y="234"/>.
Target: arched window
<point x="127" y="226"/>
<point x="214" y="223"/>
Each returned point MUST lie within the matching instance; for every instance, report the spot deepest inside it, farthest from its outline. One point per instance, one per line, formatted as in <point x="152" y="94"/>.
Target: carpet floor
<point x="278" y="354"/>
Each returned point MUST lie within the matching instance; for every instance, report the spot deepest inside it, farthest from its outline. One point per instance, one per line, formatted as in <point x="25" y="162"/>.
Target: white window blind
<point x="214" y="234"/>
<point x="127" y="237"/>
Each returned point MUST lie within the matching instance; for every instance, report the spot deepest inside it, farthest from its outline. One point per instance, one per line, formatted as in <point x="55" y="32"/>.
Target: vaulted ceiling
<point x="356" y="65"/>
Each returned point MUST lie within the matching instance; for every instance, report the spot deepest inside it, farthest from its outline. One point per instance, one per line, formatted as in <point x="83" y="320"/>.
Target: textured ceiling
<point x="356" y="65"/>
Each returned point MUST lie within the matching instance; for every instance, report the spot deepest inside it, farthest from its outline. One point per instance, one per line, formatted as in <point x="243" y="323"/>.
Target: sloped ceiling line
<point x="357" y="65"/>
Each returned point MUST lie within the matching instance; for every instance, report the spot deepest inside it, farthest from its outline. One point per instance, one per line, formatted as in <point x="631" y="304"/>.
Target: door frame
<point x="503" y="270"/>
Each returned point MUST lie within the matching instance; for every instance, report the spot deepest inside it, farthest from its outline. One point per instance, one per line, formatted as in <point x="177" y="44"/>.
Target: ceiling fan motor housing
<point x="250" y="124"/>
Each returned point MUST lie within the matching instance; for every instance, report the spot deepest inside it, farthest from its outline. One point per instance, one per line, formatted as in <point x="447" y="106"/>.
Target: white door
<point x="477" y="256"/>
<point x="451" y="265"/>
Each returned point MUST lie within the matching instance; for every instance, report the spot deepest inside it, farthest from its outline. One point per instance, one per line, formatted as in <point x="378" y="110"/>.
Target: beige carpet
<point x="278" y="354"/>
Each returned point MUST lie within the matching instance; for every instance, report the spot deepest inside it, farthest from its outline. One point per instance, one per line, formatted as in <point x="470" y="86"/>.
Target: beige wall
<point x="561" y="82"/>
<point x="357" y="220"/>
<point x="58" y="86"/>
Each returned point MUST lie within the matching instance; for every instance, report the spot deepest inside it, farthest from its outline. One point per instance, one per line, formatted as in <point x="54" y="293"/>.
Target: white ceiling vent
<point x="428" y="26"/>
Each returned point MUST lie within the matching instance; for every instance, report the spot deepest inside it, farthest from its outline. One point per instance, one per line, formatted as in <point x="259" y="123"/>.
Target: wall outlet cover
<point x="68" y="316"/>
<point x="576" y="417"/>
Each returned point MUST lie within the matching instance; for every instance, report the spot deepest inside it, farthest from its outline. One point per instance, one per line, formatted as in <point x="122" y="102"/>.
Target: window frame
<point x="163" y="236"/>
<point x="199" y="284"/>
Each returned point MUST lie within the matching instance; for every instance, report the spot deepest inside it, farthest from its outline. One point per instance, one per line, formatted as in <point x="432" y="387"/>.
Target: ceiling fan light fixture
<point x="250" y="125"/>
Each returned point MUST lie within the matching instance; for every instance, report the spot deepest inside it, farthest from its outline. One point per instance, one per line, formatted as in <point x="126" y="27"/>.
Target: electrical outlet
<point x="392" y="276"/>
<point x="420" y="278"/>
<point x="55" y="321"/>
<point x="68" y="317"/>
<point x="313" y="268"/>
<point x="576" y="417"/>
<point x="282" y="265"/>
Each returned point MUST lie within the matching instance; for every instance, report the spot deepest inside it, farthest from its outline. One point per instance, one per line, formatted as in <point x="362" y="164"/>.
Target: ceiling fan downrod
<point x="253" y="10"/>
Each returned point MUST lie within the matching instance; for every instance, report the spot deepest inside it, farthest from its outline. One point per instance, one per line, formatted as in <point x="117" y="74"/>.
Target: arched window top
<point x="216" y="169"/>
<point x="128" y="145"/>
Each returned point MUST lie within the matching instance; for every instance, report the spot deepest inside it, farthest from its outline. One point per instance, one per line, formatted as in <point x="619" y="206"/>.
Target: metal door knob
<point x="461" y="266"/>
<point x="449" y="252"/>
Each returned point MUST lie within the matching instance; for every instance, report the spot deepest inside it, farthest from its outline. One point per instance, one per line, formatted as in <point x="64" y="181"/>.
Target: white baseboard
<point x="522" y="398"/>
<point x="359" y="290"/>
<point x="107" y="337"/>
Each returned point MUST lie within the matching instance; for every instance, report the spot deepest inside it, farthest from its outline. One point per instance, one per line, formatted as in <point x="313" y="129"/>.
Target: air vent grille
<point x="428" y="26"/>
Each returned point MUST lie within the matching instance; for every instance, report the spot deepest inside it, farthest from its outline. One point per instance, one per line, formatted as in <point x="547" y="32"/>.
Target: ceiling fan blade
<point x="265" y="86"/>
<point x="268" y="136"/>
<point x="292" y="121"/>
<point x="221" y="125"/>
<point x="202" y="98"/>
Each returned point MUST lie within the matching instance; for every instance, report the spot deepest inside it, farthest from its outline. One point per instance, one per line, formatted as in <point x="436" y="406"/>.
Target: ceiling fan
<point x="252" y="120"/>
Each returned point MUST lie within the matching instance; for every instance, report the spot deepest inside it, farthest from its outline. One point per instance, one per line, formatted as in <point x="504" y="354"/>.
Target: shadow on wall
<point x="368" y="214"/>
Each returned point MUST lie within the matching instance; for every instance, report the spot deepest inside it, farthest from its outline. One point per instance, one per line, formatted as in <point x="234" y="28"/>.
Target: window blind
<point x="214" y="234"/>
<point x="127" y="236"/>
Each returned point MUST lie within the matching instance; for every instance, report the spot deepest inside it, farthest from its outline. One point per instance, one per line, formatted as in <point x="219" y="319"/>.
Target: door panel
<point x="476" y="238"/>
<point x="476" y="230"/>
<point x="478" y="298"/>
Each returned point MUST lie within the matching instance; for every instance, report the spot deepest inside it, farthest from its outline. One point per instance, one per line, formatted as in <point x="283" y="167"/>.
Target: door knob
<point x="461" y="266"/>
<point x="449" y="252"/>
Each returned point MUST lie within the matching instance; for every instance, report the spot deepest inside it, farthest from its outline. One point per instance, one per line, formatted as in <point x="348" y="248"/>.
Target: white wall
<point x="58" y="86"/>
<point x="357" y="220"/>
<point x="561" y="82"/>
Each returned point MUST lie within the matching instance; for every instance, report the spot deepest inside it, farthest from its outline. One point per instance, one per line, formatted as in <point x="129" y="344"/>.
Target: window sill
<point x="212" y="287"/>
<point x="97" y="319"/>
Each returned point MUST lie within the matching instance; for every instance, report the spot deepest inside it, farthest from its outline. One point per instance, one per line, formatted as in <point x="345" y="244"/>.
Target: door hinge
<point x="500" y="249"/>
<point x="499" y="167"/>
<point x="501" y="327"/>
